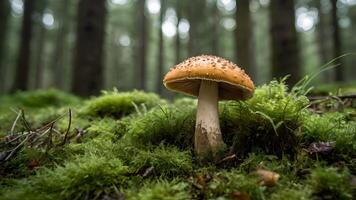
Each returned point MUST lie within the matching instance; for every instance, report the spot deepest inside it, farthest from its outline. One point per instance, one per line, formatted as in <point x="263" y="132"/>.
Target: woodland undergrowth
<point x="135" y="145"/>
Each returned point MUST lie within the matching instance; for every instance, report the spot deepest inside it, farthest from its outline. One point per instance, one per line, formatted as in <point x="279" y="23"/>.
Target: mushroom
<point x="211" y="79"/>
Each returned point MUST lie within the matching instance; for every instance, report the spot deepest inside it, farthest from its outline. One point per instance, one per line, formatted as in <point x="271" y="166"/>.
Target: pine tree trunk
<point x="4" y="19"/>
<point x="142" y="45"/>
<point x="215" y="30"/>
<point x="39" y="47"/>
<point x="59" y="50"/>
<point x="88" y="60"/>
<point x="39" y="65"/>
<point x="322" y="40"/>
<point x="23" y="61"/>
<point x="177" y="42"/>
<point x="244" y="37"/>
<point x="160" y="50"/>
<point x="197" y="31"/>
<point x="285" y="50"/>
<point x="336" y="41"/>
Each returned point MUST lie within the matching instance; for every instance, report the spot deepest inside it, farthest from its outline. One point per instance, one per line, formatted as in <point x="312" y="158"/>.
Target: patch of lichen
<point x="146" y="153"/>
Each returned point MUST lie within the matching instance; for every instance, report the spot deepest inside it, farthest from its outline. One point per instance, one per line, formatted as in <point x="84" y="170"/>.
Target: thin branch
<point x="342" y="97"/>
<point x="15" y="122"/>
<point x="68" y="128"/>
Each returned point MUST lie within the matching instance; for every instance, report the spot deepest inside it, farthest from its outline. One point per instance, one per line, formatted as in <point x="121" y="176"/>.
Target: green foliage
<point x="119" y="104"/>
<point x="330" y="183"/>
<point x="161" y="190"/>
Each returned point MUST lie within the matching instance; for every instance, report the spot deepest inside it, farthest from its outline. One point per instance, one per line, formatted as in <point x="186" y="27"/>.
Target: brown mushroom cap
<point x="234" y="83"/>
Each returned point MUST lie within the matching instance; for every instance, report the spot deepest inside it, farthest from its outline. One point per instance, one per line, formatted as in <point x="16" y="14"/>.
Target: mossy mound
<point x="134" y="145"/>
<point x="119" y="104"/>
<point x="38" y="99"/>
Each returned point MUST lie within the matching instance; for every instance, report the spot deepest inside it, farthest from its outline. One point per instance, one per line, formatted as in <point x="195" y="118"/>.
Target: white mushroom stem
<point x="208" y="139"/>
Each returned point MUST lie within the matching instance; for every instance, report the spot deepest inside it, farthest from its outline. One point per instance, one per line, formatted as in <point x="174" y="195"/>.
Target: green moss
<point x="120" y="104"/>
<point x="299" y="193"/>
<point x="134" y="145"/>
<point x="161" y="190"/>
<point x="170" y="125"/>
<point x="226" y="183"/>
<point x="38" y="99"/>
<point x="332" y="127"/>
<point x="330" y="183"/>
<point x="166" y="161"/>
<point x="269" y="121"/>
<point x="88" y="176"/>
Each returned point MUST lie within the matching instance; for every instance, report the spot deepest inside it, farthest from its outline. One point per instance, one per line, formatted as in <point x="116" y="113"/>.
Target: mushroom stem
<point x="208" y="139"/>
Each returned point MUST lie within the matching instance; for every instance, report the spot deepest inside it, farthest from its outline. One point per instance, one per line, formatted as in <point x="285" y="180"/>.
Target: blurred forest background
<point x="84" y="46"/>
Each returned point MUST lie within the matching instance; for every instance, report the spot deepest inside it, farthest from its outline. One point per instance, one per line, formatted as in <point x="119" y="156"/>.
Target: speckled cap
<point x="234" y="83"/>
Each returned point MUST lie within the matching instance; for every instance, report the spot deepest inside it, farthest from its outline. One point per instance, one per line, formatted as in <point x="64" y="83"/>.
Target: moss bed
<point x="135" y="145"/>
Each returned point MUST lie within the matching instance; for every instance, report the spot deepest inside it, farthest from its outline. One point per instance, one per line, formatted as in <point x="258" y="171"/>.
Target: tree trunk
<point x="285" y="50"/>
<point x="177" y="42"/>
<point x="244" y="37"/>
<point x="23" y="61"/>
<point x="336" y="41"/>
<point x="39" y="67"/>
<point x="88" y="60"/>
<point x="4" y="19"/>
<point x="322" y="39"/>
<point x="58" y="67"/>
<point x="142" y="45"/>
<point x="215" y="30"/>
<point x="160" y="50"/>
<point x="38" y="48"/>
<point x="197" y="31"/>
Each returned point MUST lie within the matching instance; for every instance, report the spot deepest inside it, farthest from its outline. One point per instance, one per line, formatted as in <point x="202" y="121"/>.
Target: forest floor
<point x="136" y="145"/>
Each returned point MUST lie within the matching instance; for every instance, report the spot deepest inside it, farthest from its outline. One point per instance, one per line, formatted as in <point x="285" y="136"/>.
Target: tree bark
<point x="160" y="50"/>
<point x="322" y="30"/>
<point x="38" y="48"/>
<point x="60" y="46"/>
<point x="39" y="67"/>
<point x="339" y="76"/>
<point x="215" y="30"/>
<point x="244" y="37"/>
<point x="142" y="45"/>
<point x="197" y="31"/>
<point x="23" y="61"/>
<point x="88" y="60"/>
<point x="4" y="19"/>
<point x="285" y="50"/>
<point x="177" y="42"/>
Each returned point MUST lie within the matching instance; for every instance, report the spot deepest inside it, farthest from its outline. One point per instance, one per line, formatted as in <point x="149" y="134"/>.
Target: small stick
<point x="68" y="128"/>
<point x="227" y="158"/>
<point x="25" y="121"/>
<point x="342" y="97"/>
<point x="15" y="122"/>
<point x="16" y="149"/>
<point x="37" y="138"/>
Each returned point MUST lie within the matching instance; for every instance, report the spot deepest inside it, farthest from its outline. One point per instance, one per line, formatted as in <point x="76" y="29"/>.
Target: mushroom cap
<point x="233" y="82"/>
